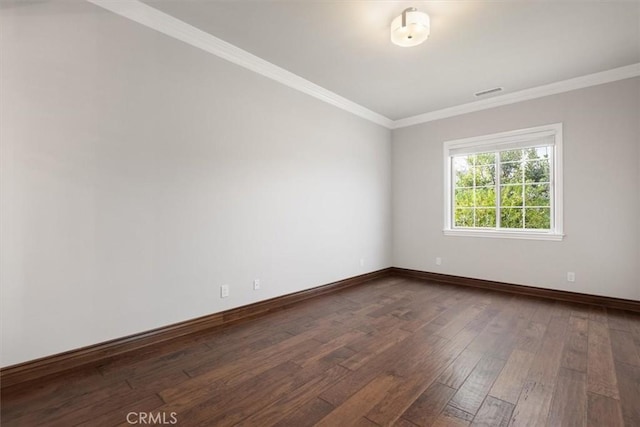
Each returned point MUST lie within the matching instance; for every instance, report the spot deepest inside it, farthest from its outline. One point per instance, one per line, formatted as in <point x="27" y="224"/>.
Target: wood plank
<point x="617" y="319"/>
<point x="633" y="320"/>
<point x="601" y="373"/>
<point x="629" y="385"/>
<point x="437" y="313"/>
<point x="380" y="325"/>
<point x="242" y="368"/>
<point x="22" y="401"/>
<point x="580" y="310"/>
<point x="287" y="409"/>
<point x="457" y="319"/>
<point x="59" y="409"/>
<point x="473" y="391"/>
<point x="116" y="416"/>
<point x="509" y="383"/>
<point x="450" y="421"/>
<point x="364" y="422"/>
<point x="569" y="405"/>
<point x="547" y="361"/>
<point x="314" y="354"/>
<point x="543" y="312"/>
<point x="111" y="408"/>
<point x="276" y="385"/>
<point x="224" y="350"/>
<point x="533" y="405"/>
<point x="407" y="354"/>
<point x="515" y="327"/>
<point x="373" y="344"/>
<point x="336" y="327"/>
<point x="418" y="377"/>
<point x="562" y="309"/>
<point x="228" y="405"/>
<point x="623" y="347"/>
<point x="576" y="346"/>
<point x="144" y="362"/>
<point x="426" y="408"/>
<point x="360" y="403"/>
<point x="493" y="413"/>
<point x="360" y="359"/>
<point x="455" y="414"/>
<point x="499" y="331"/>
<point x="603" y="411"/>
<point x="306" y="415"/>
<point x="598" y="313"/>
<point x="531" y="338"/>
<point x="155" y="382"/>
<point x="454" y="375"/>
<point x="262" y="349"/>
<point x="401" y="422"/>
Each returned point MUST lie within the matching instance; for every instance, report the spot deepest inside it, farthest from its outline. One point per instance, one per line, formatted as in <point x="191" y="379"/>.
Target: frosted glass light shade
<point x="415" y="31"/>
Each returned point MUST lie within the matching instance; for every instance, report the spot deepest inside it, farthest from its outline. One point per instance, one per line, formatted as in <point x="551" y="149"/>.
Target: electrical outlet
<point x="571" y="276"/>
<point x="361" y="262"/>
<point x="438" y="261"/>
<point x="256" y="284"/>
<point x="224" y="291"/>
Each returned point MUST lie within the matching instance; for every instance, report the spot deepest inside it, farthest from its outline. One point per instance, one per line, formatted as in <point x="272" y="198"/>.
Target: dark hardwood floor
<point x="393" y="351"/>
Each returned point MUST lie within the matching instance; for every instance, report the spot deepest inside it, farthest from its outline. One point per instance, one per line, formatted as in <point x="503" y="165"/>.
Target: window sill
<point x="503" y="234"/>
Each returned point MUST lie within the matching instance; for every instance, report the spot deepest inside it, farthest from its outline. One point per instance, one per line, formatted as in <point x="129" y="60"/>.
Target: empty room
<point x="313" y="212"/>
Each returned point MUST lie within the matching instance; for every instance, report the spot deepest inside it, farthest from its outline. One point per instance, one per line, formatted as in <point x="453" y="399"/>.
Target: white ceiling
<point x="344" y="46"/>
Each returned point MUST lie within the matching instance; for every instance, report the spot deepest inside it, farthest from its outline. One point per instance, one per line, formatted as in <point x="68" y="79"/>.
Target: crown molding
<point x="608" y="76"/>
<point x="153" y="18"/>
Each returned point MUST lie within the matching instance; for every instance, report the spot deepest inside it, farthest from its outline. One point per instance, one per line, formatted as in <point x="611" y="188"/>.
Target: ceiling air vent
<point x="488" y="91"/>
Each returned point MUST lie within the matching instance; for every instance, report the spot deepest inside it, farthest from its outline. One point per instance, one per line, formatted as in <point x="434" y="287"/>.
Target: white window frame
<point x="506" y="139"/>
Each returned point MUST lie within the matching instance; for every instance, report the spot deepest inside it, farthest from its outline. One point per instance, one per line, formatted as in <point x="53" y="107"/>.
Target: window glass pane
<point x="485" y="175"/>
<point x="537" y="195"/>
<point x="486" y="217"/>
<point x="510" y="173"/>
<point x="538" y="153"/>
<point x="464" y="197"/>
<point x="464" y="217"/>
<point x="486" y="196"/>
<point x="537" y="218"/>
<point x="511" y="156"/>
<point x="460" y="162"/>
<point x="463" y="171"/>
<point x="511" y="217"/>
<point x="537" y="171"/>
<point x="511" y="195"/>
<point x="486" y="159"/>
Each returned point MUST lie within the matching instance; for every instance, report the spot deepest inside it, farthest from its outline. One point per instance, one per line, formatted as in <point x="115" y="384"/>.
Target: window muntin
<point x="505" y="184"/>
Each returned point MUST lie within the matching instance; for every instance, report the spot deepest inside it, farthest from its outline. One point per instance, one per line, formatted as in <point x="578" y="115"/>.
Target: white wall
<point x="139" y="174"/>
<point x="601" y="203"/>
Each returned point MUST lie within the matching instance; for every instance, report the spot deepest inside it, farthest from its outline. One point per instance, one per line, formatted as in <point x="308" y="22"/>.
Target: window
<point x="505" y="185"/>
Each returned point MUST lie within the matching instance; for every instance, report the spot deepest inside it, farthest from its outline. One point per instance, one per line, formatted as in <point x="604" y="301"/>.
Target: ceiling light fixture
<point x="411" y="28"/>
